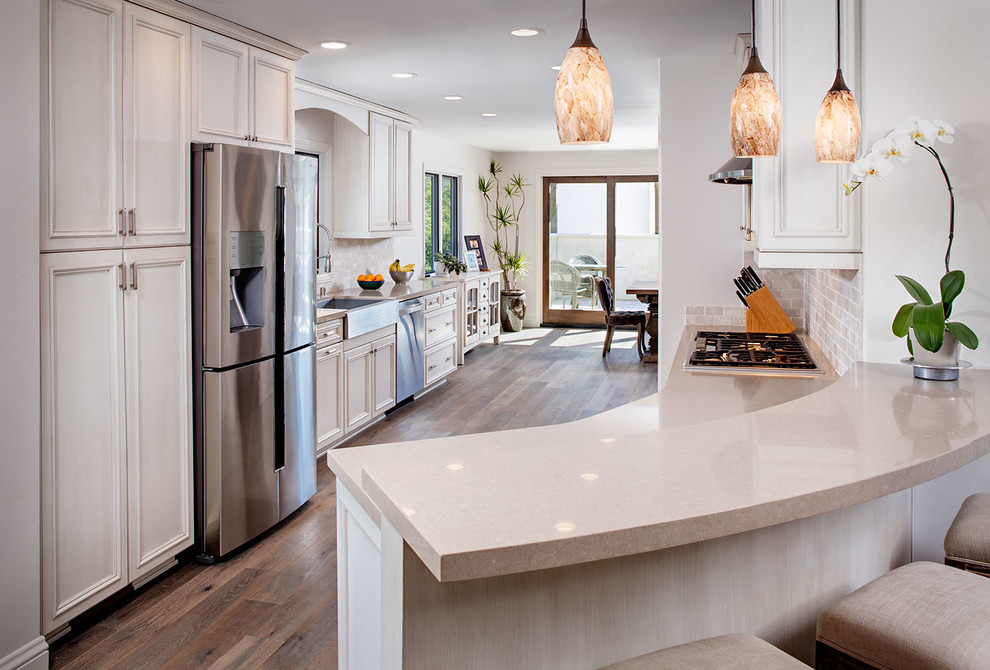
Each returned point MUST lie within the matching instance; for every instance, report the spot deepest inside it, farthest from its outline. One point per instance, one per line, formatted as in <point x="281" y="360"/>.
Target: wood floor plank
<point x="274" y="605"/>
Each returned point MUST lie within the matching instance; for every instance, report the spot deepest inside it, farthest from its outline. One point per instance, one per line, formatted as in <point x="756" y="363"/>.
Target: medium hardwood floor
<point x="274" y="605"/>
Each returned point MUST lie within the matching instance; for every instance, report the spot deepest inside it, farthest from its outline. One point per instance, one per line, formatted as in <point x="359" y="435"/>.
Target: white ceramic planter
<point x="947" y="356"/>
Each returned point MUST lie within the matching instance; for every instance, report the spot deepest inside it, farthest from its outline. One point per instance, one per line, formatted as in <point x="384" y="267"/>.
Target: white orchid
<point x="898" y="144"/>
<point x="895" y="145"/>
<point x="945" y="131"/>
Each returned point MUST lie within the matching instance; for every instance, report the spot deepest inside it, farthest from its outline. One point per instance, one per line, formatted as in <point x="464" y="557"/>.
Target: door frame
<point x="591" y="317"/>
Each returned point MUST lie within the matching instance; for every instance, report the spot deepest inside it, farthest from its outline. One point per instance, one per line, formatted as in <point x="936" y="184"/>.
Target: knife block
<point x="765" y="314"/>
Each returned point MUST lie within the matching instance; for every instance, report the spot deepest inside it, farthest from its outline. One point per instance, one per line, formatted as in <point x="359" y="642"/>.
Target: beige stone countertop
<point x="656" y="474"/>
<point x="392" y="291"/>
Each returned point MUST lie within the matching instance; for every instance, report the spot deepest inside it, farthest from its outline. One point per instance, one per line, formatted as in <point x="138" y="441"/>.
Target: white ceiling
<point x="463" y="47"/>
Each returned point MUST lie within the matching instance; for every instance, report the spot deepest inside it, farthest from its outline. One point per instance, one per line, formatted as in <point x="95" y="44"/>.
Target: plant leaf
<point x="964" y="334"/>
<point x="903" y="319"/>
<point x="929" y="326"/>
<point x="916" y="290"/>
<point x="951" y="285"/>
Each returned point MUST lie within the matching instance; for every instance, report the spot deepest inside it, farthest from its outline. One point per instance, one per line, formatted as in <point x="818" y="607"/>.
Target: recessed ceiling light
<point x="403" y="75"/>
<point x="555" y="67"/>
<point x="453" y="97"/>
<point x="335" y="44"/>
<point x="489" y="114"/>
<point x="526" y="32"/>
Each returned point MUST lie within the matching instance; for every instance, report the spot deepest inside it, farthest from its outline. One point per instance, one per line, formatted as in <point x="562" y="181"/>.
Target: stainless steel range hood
<point x="734" y="171"/>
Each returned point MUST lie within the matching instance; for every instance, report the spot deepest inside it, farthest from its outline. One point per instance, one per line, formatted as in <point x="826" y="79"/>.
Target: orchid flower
<point x="945" y="131"/>
<point x="896" y="145"/>
<point x="875" y="165"/>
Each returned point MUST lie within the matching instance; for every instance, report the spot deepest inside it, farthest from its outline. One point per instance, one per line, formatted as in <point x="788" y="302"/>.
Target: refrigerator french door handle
<point x="279" y="331"/>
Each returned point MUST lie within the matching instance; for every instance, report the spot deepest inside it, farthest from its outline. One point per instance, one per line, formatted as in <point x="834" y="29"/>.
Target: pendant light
<point x="838" y="126"/>
<point x="583" y="99"/>
<point x="754" y="117"/>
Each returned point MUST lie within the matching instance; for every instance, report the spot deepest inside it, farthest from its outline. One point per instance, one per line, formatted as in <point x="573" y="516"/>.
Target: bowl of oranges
<point x="370" y="282"/>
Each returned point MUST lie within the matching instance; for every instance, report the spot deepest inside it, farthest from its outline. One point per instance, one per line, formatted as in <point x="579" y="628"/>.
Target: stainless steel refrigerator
<point x="253" y="342"/>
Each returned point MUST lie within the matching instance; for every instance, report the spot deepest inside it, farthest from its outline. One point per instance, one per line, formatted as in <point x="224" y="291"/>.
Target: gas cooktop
<point x="750" y="353"/>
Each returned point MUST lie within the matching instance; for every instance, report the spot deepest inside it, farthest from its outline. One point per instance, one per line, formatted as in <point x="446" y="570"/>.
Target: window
<point x="440" y="216"/>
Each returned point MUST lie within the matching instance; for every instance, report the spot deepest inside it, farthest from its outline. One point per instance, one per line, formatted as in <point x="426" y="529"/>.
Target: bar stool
<point x="967" y="544"/>
<point x="725" y="652"/>
<point x="920" y="616"/>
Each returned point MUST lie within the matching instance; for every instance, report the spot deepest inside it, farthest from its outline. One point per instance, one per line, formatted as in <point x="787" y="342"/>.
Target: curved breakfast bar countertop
<point x="661" y="472"/>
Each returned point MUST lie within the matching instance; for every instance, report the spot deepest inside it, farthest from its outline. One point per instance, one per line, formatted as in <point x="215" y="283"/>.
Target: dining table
<point x="648" y="292"/>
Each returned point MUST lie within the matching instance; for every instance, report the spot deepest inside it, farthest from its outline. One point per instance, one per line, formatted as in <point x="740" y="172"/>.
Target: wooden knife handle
<point x="765" y="315"/>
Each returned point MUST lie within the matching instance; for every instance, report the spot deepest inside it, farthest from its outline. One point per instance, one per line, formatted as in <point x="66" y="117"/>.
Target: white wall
<point x="20" y="557"/>
<point x="931" y="68"/>
<point x="433" y="153"/>
<point x="536" y="165"/>
<point x="700" y="239"/>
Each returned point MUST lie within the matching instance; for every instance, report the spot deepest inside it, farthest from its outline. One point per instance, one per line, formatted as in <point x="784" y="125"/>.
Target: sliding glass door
<point x="596" y="227"/>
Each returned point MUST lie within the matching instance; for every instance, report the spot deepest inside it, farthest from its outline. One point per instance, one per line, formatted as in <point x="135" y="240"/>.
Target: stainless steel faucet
<point x="325" y="257"/>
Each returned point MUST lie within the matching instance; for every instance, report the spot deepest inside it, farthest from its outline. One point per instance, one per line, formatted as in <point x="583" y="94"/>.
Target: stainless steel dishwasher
<point x="410" y="347"/>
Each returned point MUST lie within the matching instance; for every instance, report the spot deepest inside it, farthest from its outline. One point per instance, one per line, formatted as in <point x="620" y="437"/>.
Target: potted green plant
<point x="450" y="263"/>
<point x="937" y="338"/>
<point x="503" y="205"/>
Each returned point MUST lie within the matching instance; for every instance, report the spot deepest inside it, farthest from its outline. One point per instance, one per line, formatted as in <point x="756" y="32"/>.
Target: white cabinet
<point x="118" y="168"/>
<point x="479" y="311"/>
<point x="801" y="216"/>
<point x="329" y="385"/>
<point x="116" y="421"/>
<point x="383" y="373"/>
<point x="241" y="94"/>
<point x="369" y="378"/>
<point x="378" y="164"/>
<point x="389" y="202"/>
<point x="358" y="378"/>
<point x="441" y="326"/>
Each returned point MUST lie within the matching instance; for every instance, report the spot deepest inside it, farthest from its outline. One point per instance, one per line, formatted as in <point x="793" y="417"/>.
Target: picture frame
<point x="471" y="260"/>
<point x="473" y="243"/>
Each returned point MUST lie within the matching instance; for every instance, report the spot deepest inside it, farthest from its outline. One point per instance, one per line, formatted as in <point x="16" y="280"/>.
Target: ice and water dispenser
<point x="247" y="280"/>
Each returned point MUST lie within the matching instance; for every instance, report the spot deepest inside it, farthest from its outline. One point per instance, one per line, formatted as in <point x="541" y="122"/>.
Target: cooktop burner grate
<point x="750" y="352"/>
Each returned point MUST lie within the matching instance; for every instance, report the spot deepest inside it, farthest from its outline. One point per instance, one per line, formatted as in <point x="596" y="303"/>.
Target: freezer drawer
<point x="240" y="487"/>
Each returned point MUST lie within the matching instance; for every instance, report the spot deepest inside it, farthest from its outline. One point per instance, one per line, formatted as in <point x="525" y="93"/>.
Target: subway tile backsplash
<point x="350" y="258"/>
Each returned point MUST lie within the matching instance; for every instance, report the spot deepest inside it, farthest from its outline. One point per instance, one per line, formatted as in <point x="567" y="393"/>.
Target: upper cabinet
<point x="119" y="131"/>
<point x="375" y="163"/>
<point x="801" y="216"/>
<point x="241" y="94"/>
<point x="389" y="201"/>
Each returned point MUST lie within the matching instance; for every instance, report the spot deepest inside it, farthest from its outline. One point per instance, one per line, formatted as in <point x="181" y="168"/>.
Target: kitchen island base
<point x="771" y="582"/>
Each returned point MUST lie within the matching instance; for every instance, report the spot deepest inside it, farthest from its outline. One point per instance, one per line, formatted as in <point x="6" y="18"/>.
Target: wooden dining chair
<point x="603" y="285"/>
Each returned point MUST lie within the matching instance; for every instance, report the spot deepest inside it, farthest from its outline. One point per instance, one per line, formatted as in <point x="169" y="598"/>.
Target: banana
<point x="407" y="268"/>
<point x="394" y="265"/>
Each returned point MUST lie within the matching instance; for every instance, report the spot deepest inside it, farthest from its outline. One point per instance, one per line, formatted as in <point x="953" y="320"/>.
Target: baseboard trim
<point x="32" y="656"/>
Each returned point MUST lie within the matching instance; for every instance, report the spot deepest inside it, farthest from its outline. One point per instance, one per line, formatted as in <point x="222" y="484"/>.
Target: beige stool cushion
<point x="726" y="651"/>
<point x="921" y="615"/>
<point x="968" y="539"/>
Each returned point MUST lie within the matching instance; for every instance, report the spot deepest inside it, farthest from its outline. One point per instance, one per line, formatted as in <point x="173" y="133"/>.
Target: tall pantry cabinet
<point x="116" y="370"/>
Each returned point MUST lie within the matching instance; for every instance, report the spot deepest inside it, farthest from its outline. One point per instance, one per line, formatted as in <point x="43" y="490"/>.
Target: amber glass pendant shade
<point x="754" y="117"/>
<point x="838" y="126"/>
<point x="583" y="97"/>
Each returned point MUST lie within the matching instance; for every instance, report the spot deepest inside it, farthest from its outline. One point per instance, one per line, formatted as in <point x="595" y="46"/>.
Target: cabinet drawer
<point x="449" y="297"/>
<point x="325" y="352"/>
<point x="440" y="326"/>
<point x="434" y="301"/>
<point x="439" y="362"/>
<point x="329" y="332"/>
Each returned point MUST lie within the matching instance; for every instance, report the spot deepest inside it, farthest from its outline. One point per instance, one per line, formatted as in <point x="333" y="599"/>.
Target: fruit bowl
<point x="370" y="285"/>
<point x="400" y="277"/>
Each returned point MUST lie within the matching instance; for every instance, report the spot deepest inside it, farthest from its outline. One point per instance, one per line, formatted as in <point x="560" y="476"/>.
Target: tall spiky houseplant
<point x="503" y="205"/>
